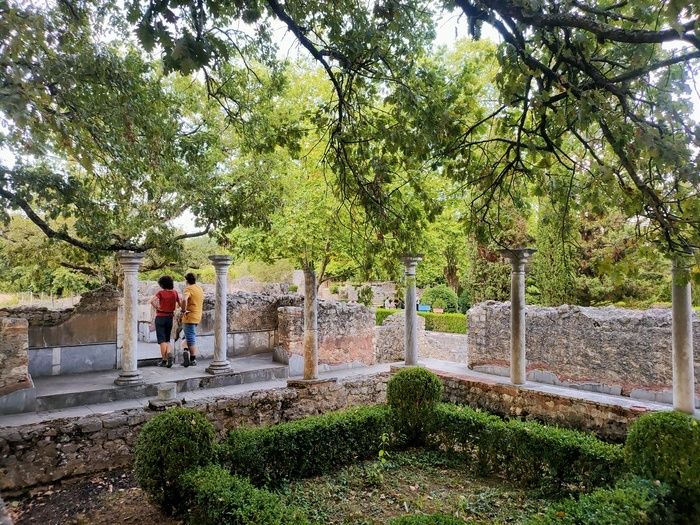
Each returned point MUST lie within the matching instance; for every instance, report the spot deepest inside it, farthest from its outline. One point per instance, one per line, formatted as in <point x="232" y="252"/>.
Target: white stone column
<point x="220" y="364"/>
<point x="310" y="325"/>
<point x="129" y="374"/>
<point x="682" y="334"/>
<point x="518" y="362"/>
<point x="411" y="325"/>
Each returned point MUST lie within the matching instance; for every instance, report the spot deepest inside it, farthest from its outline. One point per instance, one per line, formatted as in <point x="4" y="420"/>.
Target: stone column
<point x="310" y="324"/>
<point x="130" y="263"/>
<point x="682" y="334"/>
<point x="518" y="362"/>
<point x="411" y="339"/>
<point x="220" y="364"/>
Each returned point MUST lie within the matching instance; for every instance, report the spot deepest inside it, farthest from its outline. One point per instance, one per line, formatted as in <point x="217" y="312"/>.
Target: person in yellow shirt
<point x="192" y="303"/>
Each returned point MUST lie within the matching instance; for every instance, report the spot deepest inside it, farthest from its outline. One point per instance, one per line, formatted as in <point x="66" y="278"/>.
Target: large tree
<point x="613" y="76"/>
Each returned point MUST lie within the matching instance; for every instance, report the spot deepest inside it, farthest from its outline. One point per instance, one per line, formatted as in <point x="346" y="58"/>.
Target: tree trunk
<point x="310" y="323"/>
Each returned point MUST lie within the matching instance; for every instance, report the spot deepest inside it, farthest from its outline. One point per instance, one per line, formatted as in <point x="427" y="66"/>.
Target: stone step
<point x="61" y="392"/>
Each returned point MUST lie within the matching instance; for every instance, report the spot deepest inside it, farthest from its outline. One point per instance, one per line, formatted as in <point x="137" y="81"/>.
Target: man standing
<point x="192" y="303"/>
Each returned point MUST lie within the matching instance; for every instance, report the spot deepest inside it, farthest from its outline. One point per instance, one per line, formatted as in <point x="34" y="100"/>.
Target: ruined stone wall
<point x="614" y="350"/>
<point x="345" y="335"/>
<point x="14" y="360"/>
<point x="46" y="452"/>
<point x="92" y="320"/>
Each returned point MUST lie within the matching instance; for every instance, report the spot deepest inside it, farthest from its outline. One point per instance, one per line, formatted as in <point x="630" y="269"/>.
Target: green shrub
<point x="427" y="519"/>
<point x="365" y="296"/>
<point x="168" y="445"/>
<point x="528" y="452"/>
<point x="665" y="446"/>
<point x="216" y="497"/>
<point x="450" y="323"/>
<point x="464" y="301"/>
<point x="440" y="296"/>
<point x="412" y="394"/>
<point x="307" y="447"/>
<point x="382" y="313"/>
<point x="632" y="502"/>
<point x="293" y="288"/>
<point x="335" y="289"/>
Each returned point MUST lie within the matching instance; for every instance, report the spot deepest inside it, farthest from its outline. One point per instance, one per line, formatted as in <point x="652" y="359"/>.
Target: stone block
<point x="88" y="358"/>
<point x="40" y="362"/>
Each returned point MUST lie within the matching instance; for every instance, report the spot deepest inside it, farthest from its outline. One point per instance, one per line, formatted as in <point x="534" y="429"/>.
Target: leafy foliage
<point x="215" y="496"/>
<point x="634" y="501"/>
<point x="272" y="455"/>
<point x="665" y="446"/>
<point x="440" y="297"/>
<point x="365" y="295"/>
<point x="168" y="445"/>
<point x="448" y="323"/>
<point x="529" y="452"/>
<point x="427" y="519"/>
<point x="412" y="393"/>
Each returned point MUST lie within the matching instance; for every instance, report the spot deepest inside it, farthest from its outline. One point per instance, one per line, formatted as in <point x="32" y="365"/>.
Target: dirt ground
<point x="105" y="499"/>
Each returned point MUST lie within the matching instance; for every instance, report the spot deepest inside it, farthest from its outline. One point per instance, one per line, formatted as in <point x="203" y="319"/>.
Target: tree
<point x="591" y="71"/>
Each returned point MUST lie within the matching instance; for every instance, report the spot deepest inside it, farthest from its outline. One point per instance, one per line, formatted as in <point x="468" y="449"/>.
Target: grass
<point x="412" y="482"/>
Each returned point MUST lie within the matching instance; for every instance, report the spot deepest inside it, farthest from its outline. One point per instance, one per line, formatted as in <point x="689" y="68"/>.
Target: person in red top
<point x="165" y="302"/>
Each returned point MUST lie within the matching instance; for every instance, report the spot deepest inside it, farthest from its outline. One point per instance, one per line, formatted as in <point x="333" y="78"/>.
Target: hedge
<point x="528" y="452"/>
<point x="632" y="502"/>
<point x="217" y="497"/>
<point x="413" y="394"/>
<point x="307" y="447"/>
<point x="449" y="323"/>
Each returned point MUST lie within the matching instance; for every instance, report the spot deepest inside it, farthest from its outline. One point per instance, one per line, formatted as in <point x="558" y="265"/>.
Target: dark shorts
<point x="190" y="334"/>
<point x="164" y="327"/>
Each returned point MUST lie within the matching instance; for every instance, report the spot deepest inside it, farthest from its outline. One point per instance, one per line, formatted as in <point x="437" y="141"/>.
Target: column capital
<point x="130" y="261"/>
<point x="410" y="261"/>
<point x="517" y="256"/>
<point x="221" y="262"/>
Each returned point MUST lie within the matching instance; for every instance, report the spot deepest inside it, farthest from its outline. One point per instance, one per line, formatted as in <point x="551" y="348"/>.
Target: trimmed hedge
<point x="449" y="323"/>
<point x="528" y="452"/>
<point x="168" y="445"/>
<point x="665" y="446"/>
<point x="216" y="497"/>
<point x="427" y="519"/>
<point x="380" y="314"/>
<point x="307" y="447"/>
<point x="632" y="502"/>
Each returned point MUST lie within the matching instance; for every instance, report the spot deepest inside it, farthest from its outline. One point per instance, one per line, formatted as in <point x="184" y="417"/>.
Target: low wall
<point x="610" y="350"/>
<point x="345" y="336"/>
<point x="52" y="450"/>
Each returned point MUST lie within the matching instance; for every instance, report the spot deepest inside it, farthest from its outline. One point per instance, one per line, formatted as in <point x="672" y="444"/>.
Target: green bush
<point x="440" y="296"/>
<point x="216" y="497"/>
<point x="464" y="301"/>
<point x="528" y="452"/>
<point x="382" y="313"/>
<point x="365" y="296"/>
<point x="293" y="288"/>
<point x="427" y="519"/>
<point x="665" y="446"/>
<point x="307" y="447"/>
<point x="335" y="289"/>
<point x="450" y="323"/>
<point x="168" y="445"/>
<point x="412" y="394"/>
<point x="632" y="502"/>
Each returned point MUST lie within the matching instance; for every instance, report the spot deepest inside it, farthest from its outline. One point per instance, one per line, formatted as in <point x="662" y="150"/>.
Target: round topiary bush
<point x="440" y="296"/>
<point x="412" y="394"/>
<point x="170" y="444"/>
<point x="665" y="446"/>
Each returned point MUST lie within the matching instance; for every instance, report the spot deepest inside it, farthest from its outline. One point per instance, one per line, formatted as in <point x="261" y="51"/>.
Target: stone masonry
<point x="613" y="350"/>
<point x="42" y="453"/>
<point x="14" y="360"/>
<point x="346" y="335"/>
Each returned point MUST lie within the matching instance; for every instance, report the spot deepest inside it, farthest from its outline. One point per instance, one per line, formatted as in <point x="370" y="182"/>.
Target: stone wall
<point x="613" y="350"/>
<point x="14" y="360"/>
<point x="46" y="452"/>
<point x="345" y="336"/>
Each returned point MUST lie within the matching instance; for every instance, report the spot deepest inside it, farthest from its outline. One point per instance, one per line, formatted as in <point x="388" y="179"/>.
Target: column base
<point x="219" y="368"/>
<point x="129" y="379"/>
